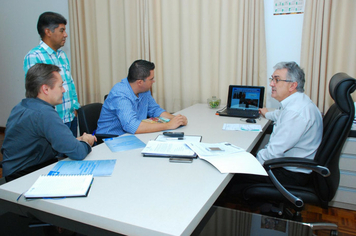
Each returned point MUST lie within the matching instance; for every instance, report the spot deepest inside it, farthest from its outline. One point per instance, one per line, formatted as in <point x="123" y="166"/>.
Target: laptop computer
<point x="244" y="101"/>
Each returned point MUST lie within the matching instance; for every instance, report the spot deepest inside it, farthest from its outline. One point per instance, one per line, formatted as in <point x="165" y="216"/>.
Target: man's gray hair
<point x="295" y="73"/>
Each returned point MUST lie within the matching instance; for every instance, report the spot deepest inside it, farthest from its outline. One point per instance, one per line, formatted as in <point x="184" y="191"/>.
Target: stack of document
<point x="167" y="149"/>
<point x="225" y="157"/>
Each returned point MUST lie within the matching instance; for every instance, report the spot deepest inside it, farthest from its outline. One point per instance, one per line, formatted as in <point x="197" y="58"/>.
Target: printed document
<point x="96" y="168"/>
<point x="242" y="127"/>
<point x="167" y="149"/>
<point x="228" y="158"/>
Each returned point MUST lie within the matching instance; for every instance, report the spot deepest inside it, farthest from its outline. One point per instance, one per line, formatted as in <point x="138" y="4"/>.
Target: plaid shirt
<point x="44" y="54"/>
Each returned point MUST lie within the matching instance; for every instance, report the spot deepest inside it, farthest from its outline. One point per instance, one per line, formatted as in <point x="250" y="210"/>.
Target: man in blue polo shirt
<point x="130" y="102"/>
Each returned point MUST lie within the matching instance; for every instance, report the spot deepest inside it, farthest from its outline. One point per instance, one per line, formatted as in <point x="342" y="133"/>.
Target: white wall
<point x="18" y="34"/>
<point x="284" y="41"/>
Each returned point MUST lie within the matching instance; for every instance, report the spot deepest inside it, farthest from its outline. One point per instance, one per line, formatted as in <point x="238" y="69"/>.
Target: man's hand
<point x="177" y="121"/>
<point x="263" y="111"/>
<point x="88" y="138"/>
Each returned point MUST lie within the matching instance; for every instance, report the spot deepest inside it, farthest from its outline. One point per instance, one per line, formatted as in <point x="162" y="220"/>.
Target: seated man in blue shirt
<point x="130" y="101"/>
<point x="35" y="133"/>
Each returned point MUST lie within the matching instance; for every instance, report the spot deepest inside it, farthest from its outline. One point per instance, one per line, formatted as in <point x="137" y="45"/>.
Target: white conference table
<point x="144" y="196"/>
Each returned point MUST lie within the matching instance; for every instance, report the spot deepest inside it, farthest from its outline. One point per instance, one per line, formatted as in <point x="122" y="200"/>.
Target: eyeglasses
<point x="275" y="80"/>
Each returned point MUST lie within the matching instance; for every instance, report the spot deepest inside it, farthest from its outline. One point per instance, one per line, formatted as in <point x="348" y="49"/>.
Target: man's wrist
<point x="86" y="142"/>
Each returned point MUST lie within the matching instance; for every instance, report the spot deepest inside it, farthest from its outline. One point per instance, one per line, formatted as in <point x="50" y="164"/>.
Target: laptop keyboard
<point x="244" y="113"/>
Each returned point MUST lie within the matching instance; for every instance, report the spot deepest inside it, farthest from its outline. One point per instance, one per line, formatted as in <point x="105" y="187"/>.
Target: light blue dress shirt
<point x="297" y="131"/>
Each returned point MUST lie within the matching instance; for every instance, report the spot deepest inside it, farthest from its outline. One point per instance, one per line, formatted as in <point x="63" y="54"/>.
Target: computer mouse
<point x="250" y="120"/>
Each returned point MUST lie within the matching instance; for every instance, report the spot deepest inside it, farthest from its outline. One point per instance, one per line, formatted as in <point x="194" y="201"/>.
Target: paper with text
<point x="243" y="127"/>
<point x="229" y="159"/>
<point x="157" y="148"/>
<point x="96" y="168"/>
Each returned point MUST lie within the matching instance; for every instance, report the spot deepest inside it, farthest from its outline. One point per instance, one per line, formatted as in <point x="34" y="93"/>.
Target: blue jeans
<point x="73" y="126"/>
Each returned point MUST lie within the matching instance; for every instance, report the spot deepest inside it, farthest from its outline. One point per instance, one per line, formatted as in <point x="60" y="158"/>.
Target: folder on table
<point x="51" y="186"/>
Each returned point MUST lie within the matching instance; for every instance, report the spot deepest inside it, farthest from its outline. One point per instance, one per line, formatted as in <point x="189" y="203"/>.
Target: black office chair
<point x="325" y="177"/>
<point x="88" y="117"/>
<point x="2" y="179"/>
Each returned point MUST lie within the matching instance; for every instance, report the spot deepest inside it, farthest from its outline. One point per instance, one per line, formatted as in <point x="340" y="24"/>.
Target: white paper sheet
<point x="243" y="127"/>
<point x="241" y="162"/>
<point x="232" y="159"/>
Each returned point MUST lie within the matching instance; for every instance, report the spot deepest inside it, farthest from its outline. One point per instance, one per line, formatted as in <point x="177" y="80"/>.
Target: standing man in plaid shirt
<point x="52" y="29"/>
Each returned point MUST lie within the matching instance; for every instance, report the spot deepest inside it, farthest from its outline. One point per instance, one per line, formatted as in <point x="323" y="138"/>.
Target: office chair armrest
<point x="290" y="197"/>
<point x="292" y="162"/>
<point x="296" y="162"/>
<point x="293" y="199"/>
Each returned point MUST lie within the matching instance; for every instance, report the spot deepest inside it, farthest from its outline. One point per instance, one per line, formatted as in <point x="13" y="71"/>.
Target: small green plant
<point x="214" y="102"/>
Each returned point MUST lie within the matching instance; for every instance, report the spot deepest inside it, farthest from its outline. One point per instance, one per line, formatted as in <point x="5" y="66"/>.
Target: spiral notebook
<point x="59" y="186"/>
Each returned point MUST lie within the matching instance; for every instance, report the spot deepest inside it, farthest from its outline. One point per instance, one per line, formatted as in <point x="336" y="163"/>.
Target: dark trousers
<point x="73" y="126"/>
<point x="285" y="177"/>
<point x="28" y="170"/>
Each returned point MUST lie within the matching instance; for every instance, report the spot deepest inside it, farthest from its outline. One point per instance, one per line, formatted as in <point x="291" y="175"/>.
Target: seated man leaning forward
<point x="298" y="125"/>
<point x="35" y="133"/>
<point x="130" y="101"/>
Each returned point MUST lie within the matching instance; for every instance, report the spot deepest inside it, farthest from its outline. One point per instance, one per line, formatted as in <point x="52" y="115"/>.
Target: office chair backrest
<point x="337" y="123"/>
<point x="88" y="117"/>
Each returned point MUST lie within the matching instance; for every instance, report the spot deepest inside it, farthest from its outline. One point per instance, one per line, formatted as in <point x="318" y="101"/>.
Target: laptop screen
<point x="245" y="97"/>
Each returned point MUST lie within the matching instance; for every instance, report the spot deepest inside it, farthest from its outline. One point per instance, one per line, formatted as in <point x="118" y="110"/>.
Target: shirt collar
<point x="133" y="95"/>
<point x="26" y="100"/>
<point x="48" y="49"/>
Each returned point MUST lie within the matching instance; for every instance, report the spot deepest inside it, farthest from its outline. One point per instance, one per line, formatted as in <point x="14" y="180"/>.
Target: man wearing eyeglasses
<point x="298" y="125"/>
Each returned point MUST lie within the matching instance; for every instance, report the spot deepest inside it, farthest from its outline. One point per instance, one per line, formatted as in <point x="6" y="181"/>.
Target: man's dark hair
<point x="38" y="75"/>
<point x="50" y="20"/>
<point x="140" y="70"/>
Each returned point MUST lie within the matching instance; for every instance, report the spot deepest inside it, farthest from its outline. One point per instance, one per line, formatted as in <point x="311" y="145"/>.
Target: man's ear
<point x="48" y="32"/>
<point x="44" y="89"/>
<point x="293" y="86"/>
<point x="139" y="82"/>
